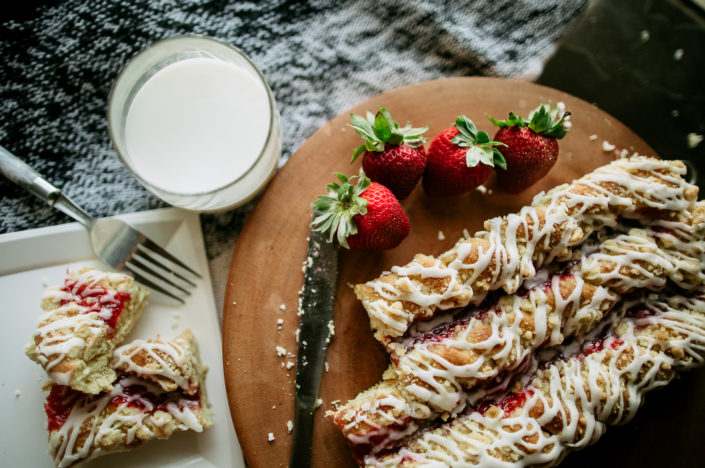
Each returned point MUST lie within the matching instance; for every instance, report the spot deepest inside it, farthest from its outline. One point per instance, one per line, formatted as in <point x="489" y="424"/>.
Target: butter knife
<point x="315" y="325"/>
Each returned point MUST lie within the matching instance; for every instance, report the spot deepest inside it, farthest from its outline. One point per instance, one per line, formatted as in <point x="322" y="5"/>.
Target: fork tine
<point x="143" y="264"/>
<point x="146" y="254"/>
<point x="147" y="282"/>
<point x="148" y="243"/>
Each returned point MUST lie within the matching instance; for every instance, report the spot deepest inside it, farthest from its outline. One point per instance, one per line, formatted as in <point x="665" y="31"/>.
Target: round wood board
<point x="266" y="270"/>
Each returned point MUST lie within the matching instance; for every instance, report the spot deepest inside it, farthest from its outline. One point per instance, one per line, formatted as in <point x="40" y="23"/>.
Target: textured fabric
<point x="320" y="58"/>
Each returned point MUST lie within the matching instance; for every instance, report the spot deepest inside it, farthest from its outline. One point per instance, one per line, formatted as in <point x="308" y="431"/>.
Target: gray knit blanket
<point x="59" y="60"/>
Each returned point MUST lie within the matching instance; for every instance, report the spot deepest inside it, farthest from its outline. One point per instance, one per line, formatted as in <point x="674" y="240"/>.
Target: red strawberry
<point x="531" y="146"/>
<point x="459" y="159"/>
<point x="392" y="156"/>
<point x="364" y="216"/>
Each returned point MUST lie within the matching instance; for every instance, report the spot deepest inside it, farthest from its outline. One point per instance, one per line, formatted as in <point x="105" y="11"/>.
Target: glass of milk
<point x="196" y="123"/>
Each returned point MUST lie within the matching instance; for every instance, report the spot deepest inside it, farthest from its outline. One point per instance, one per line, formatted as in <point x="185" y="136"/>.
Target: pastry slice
<point x="512" y="248"/>
<point x="156" y="394"/>
<point x="569" y="403"/>
<point x="83" y="322"/>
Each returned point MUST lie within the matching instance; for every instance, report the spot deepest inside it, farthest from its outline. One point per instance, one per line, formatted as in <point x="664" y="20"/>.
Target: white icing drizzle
<point x="94" y="423"/>
<point x="568" y="404"/>
<point x="435" y="376"/>
<point x="513" y="247"/>
<point x="67" y="329"/>
<point x="168" y="363"/>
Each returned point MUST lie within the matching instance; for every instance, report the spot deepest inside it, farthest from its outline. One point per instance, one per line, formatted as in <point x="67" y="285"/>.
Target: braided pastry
<point x="433" y="376"/>
<point x="83" y="321"/>
<point x="568" y="404"/>
<point x="513" y="247"/>
<point x="159" y="389"/>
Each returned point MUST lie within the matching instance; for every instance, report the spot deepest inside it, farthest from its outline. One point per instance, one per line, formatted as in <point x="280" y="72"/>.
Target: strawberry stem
<point x="378" y="130"/>
<point x="336" y="210"/>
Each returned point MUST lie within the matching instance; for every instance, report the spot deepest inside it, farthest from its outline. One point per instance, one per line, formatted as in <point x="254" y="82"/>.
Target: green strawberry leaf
<point x="360" y="149"/>
<point x="338" y="208"/>
<point x="498" y="159"/>
<point x="473" y="156"/>
<point x="382" y="128"/>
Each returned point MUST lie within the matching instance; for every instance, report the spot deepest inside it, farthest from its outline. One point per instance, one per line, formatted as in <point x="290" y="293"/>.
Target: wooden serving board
<point x="266" y="269"/>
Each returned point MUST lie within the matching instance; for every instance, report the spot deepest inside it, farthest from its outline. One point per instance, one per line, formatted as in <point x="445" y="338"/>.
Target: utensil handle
<point x="20" y="173"/>
<point x="301" y="440"/>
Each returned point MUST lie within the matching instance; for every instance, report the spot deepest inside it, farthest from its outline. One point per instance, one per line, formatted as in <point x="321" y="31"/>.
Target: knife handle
<point x="302" y="438"/>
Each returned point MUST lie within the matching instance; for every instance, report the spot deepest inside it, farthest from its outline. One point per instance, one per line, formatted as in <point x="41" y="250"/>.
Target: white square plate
<point x="32" y="260"/>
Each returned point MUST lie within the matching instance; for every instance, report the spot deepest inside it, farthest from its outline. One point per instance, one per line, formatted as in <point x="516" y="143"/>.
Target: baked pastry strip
<point x="173" y="364"/>
<point x="436" y="374"/>
<point x="137" y="409"/>
<point x="513" y="247"/>
<point x="82" y="323"/>
<point x="568" y="404"/>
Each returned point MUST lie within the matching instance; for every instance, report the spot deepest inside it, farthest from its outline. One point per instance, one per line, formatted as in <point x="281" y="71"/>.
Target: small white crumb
<point x="289" y="426"/>
<point x="270" y="437"/>
<point x="280" y="321"/>
<point x="319" y="402"/>
<point x="607" y="146"/>
<point x="441" y="236"/>
<point x="325" y="364"/>
<point x="624" y="153"/>
<point x="234" y="303"/>
<point x="593" y="137"/>
<point x="694" y="139"/>
<point x="482" y="189"/>
<point x="17" y="393"/>
<point x="675" y="113"/>
<point x="289" y="365"/>
<point x="466" y="234"/>
<point x="298" y="330"/>
<point x="274" y="406"/>
<point x="281" y="351"/>
<point x="282" y="307"/>
<point x="331" y="331"/>
<point x="644" y="36"/>
<point x="282" y="365"/>
<point x="678" y="54"/>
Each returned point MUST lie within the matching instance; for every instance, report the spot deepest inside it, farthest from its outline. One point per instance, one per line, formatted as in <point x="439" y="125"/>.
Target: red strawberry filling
<point x="131" y="393"/>
<point x="109" y="305"/>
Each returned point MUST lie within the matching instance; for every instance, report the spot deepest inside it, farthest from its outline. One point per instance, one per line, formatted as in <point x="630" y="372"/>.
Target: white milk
<point x="197" y="125"/>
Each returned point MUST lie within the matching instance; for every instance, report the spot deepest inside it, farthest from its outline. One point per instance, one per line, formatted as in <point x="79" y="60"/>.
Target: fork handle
<point x="20" y="173"/>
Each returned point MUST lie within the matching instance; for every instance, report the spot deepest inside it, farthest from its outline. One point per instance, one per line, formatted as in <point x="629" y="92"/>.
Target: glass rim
<point x="160" y="43"/>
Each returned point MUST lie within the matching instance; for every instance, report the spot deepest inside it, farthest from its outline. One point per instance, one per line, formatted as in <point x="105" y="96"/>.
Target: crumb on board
<point x="593" y="137"/>
<point x="289" y="365"/>
<point x="694" y="139"/>
<point x="282" y="307"/>
<point x="289" y="426"/>
<point x="325" y="364"/>
<point x="281" y="352"/>
<point x="270" y="437"/>
<point x="607" y="146"/>
<point x="482" y="189"/>
<point x="319" y="402"/>
<point x="678" y="54"/>
<point x="441" y="236"/>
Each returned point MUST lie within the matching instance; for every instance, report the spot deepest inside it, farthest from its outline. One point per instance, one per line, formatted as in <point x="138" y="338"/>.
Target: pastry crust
<point x="436" y="374"/>
<point x="569" y="403"/>
<point x="172" y="365"/>
<point x="82" y="323"/>
<point x="137" y="409"/>
<point x="513" y="247"/>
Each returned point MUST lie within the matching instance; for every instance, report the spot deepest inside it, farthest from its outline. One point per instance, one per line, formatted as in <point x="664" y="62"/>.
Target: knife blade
<point x="315" y="326"/>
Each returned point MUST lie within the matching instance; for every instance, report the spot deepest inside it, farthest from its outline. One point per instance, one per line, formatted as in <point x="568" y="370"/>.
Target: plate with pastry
<point x="101" y="371"/>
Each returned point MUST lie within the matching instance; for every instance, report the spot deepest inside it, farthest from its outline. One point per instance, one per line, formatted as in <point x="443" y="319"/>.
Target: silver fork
<point x="115" y="242"/>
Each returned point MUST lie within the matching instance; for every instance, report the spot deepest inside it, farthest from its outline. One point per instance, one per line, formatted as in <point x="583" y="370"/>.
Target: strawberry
<point x="459" y="159"/>
<point x="531" y="146"/>
<point x="392" y="156"/>
<point x="361" y="216"/>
